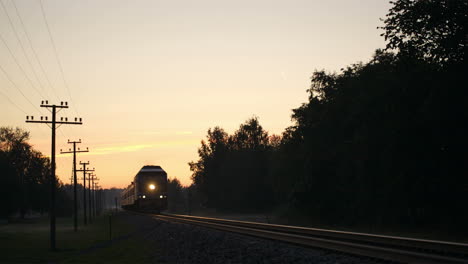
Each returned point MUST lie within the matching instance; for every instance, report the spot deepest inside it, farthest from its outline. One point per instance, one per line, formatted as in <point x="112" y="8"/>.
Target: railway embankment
<point x="184" y="243"/>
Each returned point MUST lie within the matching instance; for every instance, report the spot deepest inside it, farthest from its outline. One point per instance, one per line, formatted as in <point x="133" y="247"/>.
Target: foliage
<point x="381" y="143"/>
<point x="26" y="174"/>
<point x="432" y="29"/>
<point x="176" y="196"/>
<point x="233" y="169"/>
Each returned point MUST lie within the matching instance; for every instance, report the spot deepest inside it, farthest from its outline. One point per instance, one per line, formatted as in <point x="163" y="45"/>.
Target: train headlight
<point x="160" y="196"/>
<point x="152" y="187"/>
<point x="144" y="196"/>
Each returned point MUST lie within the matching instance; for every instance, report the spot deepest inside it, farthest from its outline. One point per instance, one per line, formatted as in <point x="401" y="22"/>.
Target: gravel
<point x="182" y="243"/>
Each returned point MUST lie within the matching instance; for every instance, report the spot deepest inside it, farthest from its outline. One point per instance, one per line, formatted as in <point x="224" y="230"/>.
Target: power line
<point x="22" y="48"/>
<point x="13" y="103"/>
<point x="17" y="88"/>
<point x="20" y="67"/>
<point x="34" y="51"/>
<point x="57" y="57"/>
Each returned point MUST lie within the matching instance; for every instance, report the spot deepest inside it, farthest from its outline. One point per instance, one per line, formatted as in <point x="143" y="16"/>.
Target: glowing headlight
<point x="144" y="196"/>
<point x="160" y="196"/>
<point x="152" y="187"/>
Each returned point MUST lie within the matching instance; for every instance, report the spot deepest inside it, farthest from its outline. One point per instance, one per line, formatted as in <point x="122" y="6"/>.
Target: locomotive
<point x="147" y="191"/>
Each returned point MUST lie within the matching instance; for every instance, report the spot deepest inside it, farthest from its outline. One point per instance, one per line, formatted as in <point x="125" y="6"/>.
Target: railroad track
<point x="398" y="249"/>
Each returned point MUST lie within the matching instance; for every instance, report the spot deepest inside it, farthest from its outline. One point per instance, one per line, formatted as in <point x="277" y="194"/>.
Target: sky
<point x="149" y="78"/>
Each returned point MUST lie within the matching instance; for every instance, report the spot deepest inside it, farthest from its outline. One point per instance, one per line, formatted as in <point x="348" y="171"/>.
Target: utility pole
<point x="84" y="170"/>
<point x="53" y="180"/>
<point x="94" y="178"/>
<point x="90" y="202"/>
<point x="75" y="200"/>
<point x="98" y="199"/>
<point x="94" y="199"/>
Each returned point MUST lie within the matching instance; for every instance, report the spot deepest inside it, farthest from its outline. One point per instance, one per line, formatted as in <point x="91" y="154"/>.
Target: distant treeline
<point x="25" y="177"/>
<point x="380" y="143"/>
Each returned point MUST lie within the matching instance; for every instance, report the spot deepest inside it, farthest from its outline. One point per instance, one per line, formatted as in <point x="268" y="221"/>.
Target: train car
<point x="147" y="191"/>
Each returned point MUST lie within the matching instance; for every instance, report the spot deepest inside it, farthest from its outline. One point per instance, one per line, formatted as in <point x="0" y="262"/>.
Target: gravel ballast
<point x="171" y="242"/>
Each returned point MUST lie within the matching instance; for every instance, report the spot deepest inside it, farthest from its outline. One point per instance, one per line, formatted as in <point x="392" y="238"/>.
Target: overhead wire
<point x="23" y="49"/>
<point x="12" y="102"/>
<point x="17" y="88"/>
<point x="57" y="57"/>
<point x="21" y="92"/>
<point x="30" y="64"/>
<point x="52" y="88"/>
<point x="20" y="67"/>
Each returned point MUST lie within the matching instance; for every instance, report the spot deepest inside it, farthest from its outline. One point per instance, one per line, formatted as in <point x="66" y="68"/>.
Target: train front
<point x="151" y="188"/>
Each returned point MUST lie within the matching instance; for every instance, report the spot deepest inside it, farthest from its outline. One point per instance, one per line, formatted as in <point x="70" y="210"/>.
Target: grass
<point x="28" y="242"/>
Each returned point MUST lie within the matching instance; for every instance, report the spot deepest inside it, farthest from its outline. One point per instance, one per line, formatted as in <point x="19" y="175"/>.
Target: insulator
<point x="42" y="117"/>
<point x="66" y="118"/>
<point x="80" y="119"/>
<point x="76" y="119"/>
<point x="47" y="102"/>
<point x="66" y="103"/>
<point x="61" y="103"/>
<point x="46" y="118"/>
<point x="27" y="117"/>
<point x="42" y="102"/>
<point x="78" y="148"/>
<point x="32" y="117"/>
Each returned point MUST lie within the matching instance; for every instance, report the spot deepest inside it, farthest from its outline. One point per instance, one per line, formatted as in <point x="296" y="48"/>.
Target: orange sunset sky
<point x="150" y="77"/>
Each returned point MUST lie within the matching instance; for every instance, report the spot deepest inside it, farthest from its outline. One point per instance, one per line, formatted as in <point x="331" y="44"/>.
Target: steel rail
<point x="400" y="249"/>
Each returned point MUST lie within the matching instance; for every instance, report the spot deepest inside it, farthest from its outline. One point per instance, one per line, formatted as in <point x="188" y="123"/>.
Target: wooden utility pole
<point x="99" y="199"/>
<point x="84" y="170"/>
<point x="75" y="199"/>
<point x="91" y="178"/>
<point x="94" y="184"/>
<point x="53" y="180"/>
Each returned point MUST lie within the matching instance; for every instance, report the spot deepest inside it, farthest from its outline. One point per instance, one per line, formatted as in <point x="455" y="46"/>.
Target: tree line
<point x="380" y="143"/>
<point x="25" y="176"/>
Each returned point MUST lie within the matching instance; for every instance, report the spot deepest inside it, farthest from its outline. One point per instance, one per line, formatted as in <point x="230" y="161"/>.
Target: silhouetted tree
<point x="431" y="29"/>
<point x="176" y="197"/>
<point x="381" y="143"/>
<point x="232" y="170"/>
<point x="25" y="176"/>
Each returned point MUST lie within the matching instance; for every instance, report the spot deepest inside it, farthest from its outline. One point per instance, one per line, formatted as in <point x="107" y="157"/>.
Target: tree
<point x="232" y="170"/>
<point x="25" y="176"/>
<point x="176" y="199"/>
<point x="434" y="30"/>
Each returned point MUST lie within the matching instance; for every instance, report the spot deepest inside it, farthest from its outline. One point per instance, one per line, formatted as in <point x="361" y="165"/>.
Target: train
<point x="147" y="191"/>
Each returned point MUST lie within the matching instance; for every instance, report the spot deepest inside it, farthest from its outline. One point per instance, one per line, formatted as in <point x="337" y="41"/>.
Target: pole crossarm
<point x="68" y="152"/>
<point x="56" y="122"/>
<point x="85" y="170"/>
